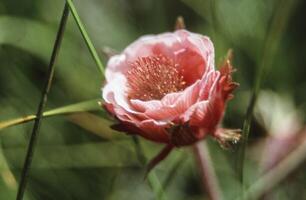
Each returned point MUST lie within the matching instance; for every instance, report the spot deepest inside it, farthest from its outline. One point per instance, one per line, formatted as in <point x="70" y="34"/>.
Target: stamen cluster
<point x="153" y="77"/>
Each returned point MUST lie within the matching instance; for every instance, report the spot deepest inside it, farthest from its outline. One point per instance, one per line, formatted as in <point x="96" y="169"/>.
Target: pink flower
<point x="166" y="89"/>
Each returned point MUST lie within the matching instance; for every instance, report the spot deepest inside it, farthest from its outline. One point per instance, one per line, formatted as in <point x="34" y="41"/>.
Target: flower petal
<point x="143" y="106"/>
<point x="154" y="130"/>
<point x="169" y="112"/>
<point x="114" y="93"/>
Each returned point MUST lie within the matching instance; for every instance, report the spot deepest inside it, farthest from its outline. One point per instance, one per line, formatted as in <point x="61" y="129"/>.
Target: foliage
<point x="78" y="156"/>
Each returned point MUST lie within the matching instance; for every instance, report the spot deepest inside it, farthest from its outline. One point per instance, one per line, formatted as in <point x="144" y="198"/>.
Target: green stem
<point x="43" y="101"/>
<point x="88" y="42"/>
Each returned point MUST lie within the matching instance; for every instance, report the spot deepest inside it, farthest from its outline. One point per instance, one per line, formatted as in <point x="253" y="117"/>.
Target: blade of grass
<point x="153" y="180"/>
<point x="85" y="35"/>
<point x="90" y="105"/>
<point x="274" y="35"/>
<point x="156" y="186"/>
<point x="43" y="101"/>
<point x="175" y="166"/>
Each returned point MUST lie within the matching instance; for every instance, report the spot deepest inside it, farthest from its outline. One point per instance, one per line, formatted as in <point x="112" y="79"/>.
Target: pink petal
<point x="205" y="114"/>
<point x="143" y="106"/>
<point x="114" y="93"/>
<point x="144" y="46"/>
<point x="208" y="85"/>
<point x="169" y="112"/>
<point x="192" y="65"/>
<point x="196" y="111"/>
<point x="171" y="98"/>
<point x="193" y="52"/>
<point x="154" y="130"/>
<point x="115" y="65"/>
<point x="174" y="104"/>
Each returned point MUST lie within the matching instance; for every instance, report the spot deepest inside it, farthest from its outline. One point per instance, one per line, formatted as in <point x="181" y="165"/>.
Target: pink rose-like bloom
<point x="165" y="88"/>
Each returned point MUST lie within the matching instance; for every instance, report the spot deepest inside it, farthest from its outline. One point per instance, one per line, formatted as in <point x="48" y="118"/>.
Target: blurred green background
<point x="79" y="157"/>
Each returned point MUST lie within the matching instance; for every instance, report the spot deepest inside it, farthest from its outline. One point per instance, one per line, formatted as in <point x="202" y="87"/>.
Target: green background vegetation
<point x="79" y="157"/>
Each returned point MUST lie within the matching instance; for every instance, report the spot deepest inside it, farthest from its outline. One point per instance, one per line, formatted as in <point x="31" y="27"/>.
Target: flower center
<point x="153" y="77"/>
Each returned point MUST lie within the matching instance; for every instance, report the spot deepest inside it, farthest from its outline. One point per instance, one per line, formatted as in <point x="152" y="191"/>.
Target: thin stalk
<point x="85" y="35"/>
<point x="175" y="166"/>
<point x="43" y="101"/>
<point x="152" y="178"/>
<point x="90" y="105"/>
<point x="209" y="178"/>
<point x="279" y="23"/>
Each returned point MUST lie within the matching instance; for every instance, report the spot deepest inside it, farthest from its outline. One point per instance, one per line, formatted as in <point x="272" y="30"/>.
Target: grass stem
<point x="91" y="105"/>
<point x="86" y="38"/>
<point x="152" y="178"/>
<point x="43" y="101"/>
<point x="278" y="24"/>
